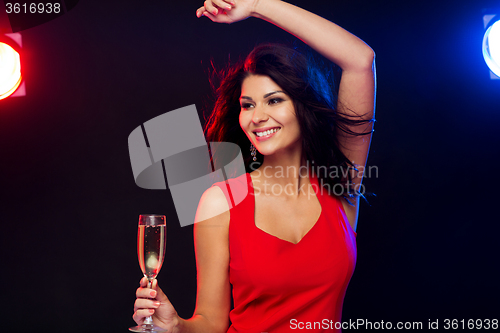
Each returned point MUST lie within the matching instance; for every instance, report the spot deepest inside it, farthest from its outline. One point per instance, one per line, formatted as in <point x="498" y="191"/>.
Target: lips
<point x="266" y="133"/>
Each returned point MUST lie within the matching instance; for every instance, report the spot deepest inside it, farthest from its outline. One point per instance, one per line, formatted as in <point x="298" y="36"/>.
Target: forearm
<point x="333" y="42"/>
<point x="198" y="324"/>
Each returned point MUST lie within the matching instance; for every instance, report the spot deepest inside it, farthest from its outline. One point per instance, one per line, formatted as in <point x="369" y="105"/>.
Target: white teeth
<point x="267" y="132"/>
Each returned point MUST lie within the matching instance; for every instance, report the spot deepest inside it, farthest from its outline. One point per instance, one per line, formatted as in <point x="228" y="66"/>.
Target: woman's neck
<point x="287" y="170"/>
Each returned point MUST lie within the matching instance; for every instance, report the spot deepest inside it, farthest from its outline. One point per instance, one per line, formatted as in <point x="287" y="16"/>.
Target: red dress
<point x="279" y="286"/>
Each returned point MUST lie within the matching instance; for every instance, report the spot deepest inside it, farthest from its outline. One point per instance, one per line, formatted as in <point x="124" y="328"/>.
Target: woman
<point x="289" y="248"/>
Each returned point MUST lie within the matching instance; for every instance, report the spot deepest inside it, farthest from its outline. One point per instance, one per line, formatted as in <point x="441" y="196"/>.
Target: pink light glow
<point x="10" y="71"/>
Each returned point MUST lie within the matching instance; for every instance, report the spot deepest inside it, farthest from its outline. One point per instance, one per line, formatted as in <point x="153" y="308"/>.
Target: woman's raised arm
<point x="356" y="96"/>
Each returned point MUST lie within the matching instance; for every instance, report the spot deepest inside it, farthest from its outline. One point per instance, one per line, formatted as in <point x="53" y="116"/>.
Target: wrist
<point x="177" y="326"/>
<point x="260" y="7"/>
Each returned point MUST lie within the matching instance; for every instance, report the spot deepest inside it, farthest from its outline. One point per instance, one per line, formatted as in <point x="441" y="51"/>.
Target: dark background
<point x="427" y="243"/>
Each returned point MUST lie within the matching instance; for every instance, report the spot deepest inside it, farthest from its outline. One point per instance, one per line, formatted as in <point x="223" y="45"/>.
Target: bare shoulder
<point x="211" y="226"/>
<point x="211" y="229"/>
<point x="212" y="203"/>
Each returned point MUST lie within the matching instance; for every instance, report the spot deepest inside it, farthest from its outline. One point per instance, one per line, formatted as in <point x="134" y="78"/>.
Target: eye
<point x="275" y="100"/>
<point x="246" y="106"/>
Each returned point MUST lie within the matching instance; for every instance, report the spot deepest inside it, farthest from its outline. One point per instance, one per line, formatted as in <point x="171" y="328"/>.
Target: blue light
<point x="491" y="47"/>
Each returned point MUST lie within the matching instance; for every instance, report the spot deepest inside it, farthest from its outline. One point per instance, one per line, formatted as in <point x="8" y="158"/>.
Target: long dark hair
<point x="314" y="99"/>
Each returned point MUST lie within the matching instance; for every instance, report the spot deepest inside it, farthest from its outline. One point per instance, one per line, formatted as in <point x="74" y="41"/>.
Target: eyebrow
<point x="265" y="96"/>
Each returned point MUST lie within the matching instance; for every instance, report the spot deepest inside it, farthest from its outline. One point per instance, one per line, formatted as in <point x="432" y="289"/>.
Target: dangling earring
<point x="253" y="152"/>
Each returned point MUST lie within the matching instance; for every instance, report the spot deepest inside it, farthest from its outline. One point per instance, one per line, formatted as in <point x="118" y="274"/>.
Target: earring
<point x="253" y="152"/>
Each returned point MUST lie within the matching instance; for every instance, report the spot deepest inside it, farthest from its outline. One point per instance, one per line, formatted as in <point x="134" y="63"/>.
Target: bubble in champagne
<point x="152" y="261"/>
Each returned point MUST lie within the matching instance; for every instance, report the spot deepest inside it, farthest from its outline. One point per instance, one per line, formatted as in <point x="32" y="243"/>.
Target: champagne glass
<point x="151" y="242"/>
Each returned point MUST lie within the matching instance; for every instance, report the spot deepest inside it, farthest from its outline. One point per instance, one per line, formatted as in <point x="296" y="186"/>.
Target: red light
<point x="10" y="70"/>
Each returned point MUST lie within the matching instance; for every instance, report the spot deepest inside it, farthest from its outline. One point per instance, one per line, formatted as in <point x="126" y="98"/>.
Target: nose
<point x="259" y="115"/>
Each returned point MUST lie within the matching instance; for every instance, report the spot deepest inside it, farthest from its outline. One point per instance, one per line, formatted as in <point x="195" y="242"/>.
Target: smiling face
<point x="268" y="117"/>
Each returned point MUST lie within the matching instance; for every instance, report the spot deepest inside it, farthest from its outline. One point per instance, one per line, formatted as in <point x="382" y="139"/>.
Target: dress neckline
<point x="314" y="182"/>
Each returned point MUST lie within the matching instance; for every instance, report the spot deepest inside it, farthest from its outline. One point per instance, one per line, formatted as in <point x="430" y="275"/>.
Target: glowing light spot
<point x="10" y="70"/>
<point x="491" y="47"/>
<point x="152" y="262"/>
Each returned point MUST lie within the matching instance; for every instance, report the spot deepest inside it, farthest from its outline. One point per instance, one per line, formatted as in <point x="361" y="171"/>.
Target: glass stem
<point x="148" y="320"/>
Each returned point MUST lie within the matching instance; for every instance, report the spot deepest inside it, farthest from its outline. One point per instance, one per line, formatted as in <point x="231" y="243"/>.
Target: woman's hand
<point x="227" y="11"/>
<point x="153" y="302"/>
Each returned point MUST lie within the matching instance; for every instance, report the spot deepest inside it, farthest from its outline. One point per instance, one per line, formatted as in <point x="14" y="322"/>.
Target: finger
<point x="139" y="315"/>
<point x="209" y="7"/>
<point x="145" y="293"/>
<point x="222" y="4"/>
<point x="210" y="16"/>
<point x="160" y="295"/>
<point x="199" y="11"/>
<point x="228" y="6"/>
<point x="142" y="303"/>
<point x="144" y="282"/>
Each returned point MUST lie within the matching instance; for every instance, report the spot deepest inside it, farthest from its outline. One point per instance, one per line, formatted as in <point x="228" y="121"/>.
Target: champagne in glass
<point x="151" y="241"/>
<point x="151" y="249"/>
